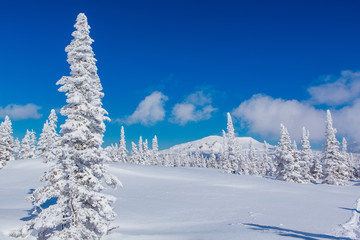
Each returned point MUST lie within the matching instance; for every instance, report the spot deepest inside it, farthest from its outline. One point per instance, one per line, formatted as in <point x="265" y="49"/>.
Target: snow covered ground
<point x="160" y="203"/>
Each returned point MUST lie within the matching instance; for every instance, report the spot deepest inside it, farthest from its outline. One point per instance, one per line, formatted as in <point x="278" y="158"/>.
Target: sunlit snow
<point x="163" y="203"/>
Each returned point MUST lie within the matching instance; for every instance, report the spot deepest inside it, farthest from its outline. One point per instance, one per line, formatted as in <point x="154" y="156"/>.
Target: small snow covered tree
<point x="155" y="151"/>
<point x="81" y="210"/>
<point x="122" y="146"/>
<point x="268" y="163"/>
<point x="186" y="160"/>
<point x="243" y="165"/>
<point x="48" y="141"/>
<point x="230" y="164"/>
<point x="287" y="165"/>
<point x="335" y="170"/>
<point x="167" y="160"/>
<point x="306" y="156"/>
<point x="223" y="156"/>
<point x="346" y="159"/>
<point x="146" y="153"/>
<point x="17" y="147"/>
<point x="283" y="153"/>
<point x="113" y="152"/>
<point x="53" y="122"/>
<point x="32" y="143"/>
<point x="43" y="147"/>
<point x="295" y="167"/>
<point x="212" y="161"/>
<point x="197" y="158"/>
<point x="316" y="169"/>
<point x="252" y="160"/>
<point x="27" y="148"/>
<point x="6" y="142"/>
<point x="134" y="157"/>
<point x="344" y="145"/>
<point x="204" y="161"/>
<point x="141" y="150"/>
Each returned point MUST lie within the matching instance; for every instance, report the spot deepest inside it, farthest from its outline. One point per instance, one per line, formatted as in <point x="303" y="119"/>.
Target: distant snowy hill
<point x="163" y="203"/>
<point x="210" y="144"/>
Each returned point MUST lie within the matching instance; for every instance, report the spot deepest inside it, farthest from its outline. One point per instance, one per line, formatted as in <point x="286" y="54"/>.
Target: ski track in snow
<point x="161" y="203"/>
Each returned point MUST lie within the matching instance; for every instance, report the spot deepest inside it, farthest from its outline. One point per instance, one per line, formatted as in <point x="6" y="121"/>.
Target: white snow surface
<point x="212" y="144"/>
<point x="161" y="203"/>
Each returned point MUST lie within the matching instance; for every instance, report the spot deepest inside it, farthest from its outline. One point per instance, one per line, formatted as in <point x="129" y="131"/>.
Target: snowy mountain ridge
<point x="211" y="144"/>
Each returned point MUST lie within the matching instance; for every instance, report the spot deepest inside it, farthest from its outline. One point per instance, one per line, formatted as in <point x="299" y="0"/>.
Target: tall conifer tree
<point x="335" y="169"/>
<point x="81" y="210"/>
<point x="7" y="147"/>
<point x="122" y="146"/>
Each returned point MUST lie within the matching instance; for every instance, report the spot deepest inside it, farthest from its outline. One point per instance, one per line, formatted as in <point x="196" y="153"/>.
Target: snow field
<point x="158" y="203"/>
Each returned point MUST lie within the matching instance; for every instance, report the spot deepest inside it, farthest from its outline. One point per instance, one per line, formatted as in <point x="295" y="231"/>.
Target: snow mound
<point x="351" y="228"/>
<point x="213" y="144"/>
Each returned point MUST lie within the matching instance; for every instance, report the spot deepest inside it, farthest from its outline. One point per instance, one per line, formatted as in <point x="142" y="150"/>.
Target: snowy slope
<point x="211" y="144"/>
<point x="159" y="203"/>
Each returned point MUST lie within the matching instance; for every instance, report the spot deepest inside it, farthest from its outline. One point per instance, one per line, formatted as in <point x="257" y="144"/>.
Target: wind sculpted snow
<point x="161" y="203"/>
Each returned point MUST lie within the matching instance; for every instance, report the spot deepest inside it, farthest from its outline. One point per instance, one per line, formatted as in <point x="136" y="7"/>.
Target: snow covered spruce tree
<point x="155" y="151"/>
<point x="32" y="137"/>
<point x="17" y="147"/>
<point x="287" y="167"/>
<point x="306" y="157"/>
<point x="347" y="159"/>
<point x="43" y="149"/>
<point x="296" y="169"/>
<point x="134" y="157"/>
<point x="112" y="152"/>
<point x="212" y="161"/>
<point x="141" y="151"/>
<point x="81" y="211"/>
<point x="252" y="160"/>
<point x="335" y="170"/>
<point x="122" y="146"/>
<point x="48" y="141"/>
<point x="6" y="143"/>
<point x="146" y="153"/>
<point x="27" y="145"/>
<point x="317" y="169"/>
<point x="229" y="163"/>
<point x="268" y="162"/>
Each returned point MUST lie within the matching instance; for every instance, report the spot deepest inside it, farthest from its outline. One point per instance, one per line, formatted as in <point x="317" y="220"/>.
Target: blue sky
<point x="265" y="61"/>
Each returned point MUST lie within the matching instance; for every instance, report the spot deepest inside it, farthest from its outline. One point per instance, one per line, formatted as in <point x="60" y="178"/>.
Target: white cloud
<point x="347" y="121"/>
<point x="343" y="90"/>
<point x="186" y="112"/>
<point x="198" y="98"/>
<point x="150" y="110"/>
<point x="263" y="115"/>
<point x="20" y="112"/>
<point x="196" y="107"/>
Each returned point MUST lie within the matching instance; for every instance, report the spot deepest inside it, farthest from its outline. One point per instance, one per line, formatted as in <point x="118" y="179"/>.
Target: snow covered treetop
<point x="82" y="24"/>
<point x="329" y="121"/>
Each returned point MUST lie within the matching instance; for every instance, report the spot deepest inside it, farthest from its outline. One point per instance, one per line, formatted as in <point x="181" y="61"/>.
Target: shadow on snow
<point x="284" y="232"/>
<point x="350" y="209"/>
<point x="32" y="213"/>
